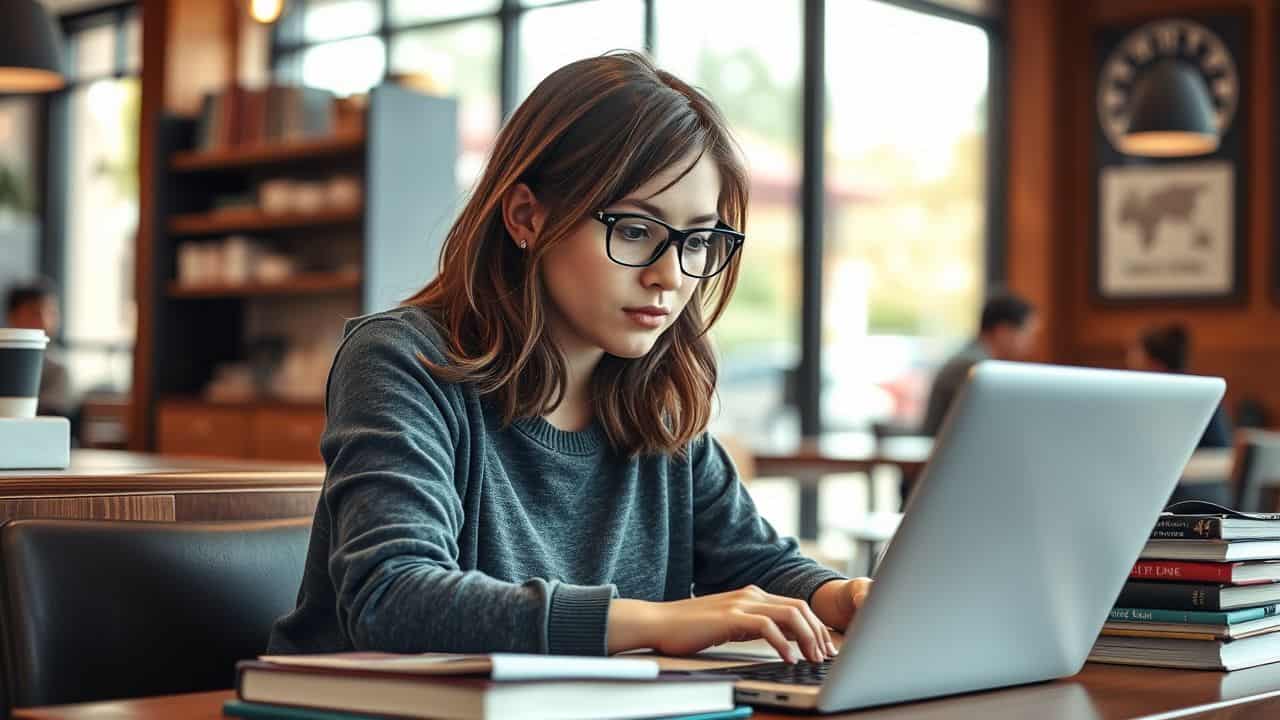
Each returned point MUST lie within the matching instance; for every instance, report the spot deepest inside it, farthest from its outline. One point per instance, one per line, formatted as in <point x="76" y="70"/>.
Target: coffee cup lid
<point x="23" y="335"/>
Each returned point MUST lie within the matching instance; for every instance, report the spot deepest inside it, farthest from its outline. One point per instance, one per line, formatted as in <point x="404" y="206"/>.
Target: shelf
<point x="302" y="284"/>
<point x="237" y="221"/>
<point x="274" y="154"/>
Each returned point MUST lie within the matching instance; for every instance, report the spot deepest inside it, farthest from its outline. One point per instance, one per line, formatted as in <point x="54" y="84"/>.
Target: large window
<point x="453" y="48"/>
<point x="554" y="36"/>
<point x="458" y="59"/>
<point x="747" y="57"/>
<point x="99" y="111"/>
<point x="906" y="199"/>
<point x="19" y="211"/>
<point x="902" y="238"/>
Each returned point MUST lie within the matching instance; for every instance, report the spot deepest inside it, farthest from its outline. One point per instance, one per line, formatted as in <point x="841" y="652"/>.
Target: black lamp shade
<point x="30" y="48"/>
<point x="1172" y="114"/>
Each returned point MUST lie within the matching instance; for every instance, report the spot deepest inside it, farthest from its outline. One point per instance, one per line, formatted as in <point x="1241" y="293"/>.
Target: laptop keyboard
<point x="802" y="673"/>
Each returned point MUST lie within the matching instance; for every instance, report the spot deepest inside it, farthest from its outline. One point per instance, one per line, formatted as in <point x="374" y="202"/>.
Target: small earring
<point x="523" y="245"/>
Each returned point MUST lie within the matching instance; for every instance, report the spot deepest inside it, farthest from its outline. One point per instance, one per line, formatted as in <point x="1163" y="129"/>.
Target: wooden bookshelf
<point x="244" y="221"/>
<point x="274" y="154"/>
<point x="188" y="333"/>
<point x="301" y="284"/>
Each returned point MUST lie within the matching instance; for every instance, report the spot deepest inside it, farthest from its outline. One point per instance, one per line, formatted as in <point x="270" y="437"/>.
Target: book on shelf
<point x="1196" y="596"/>
<point x="240" y="116"/>
<point x="497" y="686"/>
<point x="1229" y="573"/>
<point x="1197" y="654"/>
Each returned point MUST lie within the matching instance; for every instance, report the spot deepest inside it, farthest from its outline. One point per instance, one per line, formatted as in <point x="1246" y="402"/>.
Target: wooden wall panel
<point x="201" y="51"/>
<point x="1033" y="176"/>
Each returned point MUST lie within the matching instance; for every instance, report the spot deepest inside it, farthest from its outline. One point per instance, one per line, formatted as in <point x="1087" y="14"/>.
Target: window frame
<point x="56" y="151"/>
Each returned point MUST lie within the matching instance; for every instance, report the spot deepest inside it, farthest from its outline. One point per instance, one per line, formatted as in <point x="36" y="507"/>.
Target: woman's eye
<point x="634" y="232"/>
<point x="696" y="243"/>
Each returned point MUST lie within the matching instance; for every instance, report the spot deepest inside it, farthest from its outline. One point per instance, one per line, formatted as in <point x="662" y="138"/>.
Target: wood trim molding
<point x="116" y="507"/>
<point x="155" y="38"/>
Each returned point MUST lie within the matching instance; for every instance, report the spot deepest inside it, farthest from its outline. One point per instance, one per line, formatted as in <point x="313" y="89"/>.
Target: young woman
<point x="516" y="458"/>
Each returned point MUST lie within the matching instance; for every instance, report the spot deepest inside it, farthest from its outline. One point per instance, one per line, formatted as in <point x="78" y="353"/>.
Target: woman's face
<point x="597" y="304"/>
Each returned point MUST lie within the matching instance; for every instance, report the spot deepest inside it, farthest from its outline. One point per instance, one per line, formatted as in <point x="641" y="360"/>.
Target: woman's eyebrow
<point x="655" y="211"/>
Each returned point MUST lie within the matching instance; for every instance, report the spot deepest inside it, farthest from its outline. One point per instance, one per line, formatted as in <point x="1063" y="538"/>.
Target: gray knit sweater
<point x="439" y="530"/>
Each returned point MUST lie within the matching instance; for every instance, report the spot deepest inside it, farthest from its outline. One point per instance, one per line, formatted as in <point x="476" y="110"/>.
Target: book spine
<point x="1126" y="632"/>
<point x="1187" y="617"/>
<point x="1185" y="571"/>
<point x="1187" y="528"/>
<point x="1169" y="596"/>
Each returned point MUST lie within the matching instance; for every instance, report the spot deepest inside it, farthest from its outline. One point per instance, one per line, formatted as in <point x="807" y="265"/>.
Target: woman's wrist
<point x="832" y="602"/>
<point x="631" y="624"/>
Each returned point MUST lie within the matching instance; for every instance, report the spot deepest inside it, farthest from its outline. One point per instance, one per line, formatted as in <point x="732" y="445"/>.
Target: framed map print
<point x="1167" y="231"/>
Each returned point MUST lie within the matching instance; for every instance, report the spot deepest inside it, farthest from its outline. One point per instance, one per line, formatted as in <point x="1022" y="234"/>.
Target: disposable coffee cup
<point x="21" y="358"/>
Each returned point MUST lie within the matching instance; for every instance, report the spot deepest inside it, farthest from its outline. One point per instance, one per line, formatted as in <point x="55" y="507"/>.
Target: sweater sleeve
<point x="734" y="546"/>
<point x="391" y="446"/>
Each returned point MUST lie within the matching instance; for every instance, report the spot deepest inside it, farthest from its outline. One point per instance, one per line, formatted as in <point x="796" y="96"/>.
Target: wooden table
<point x="832" y="453"/>
<point x="117" y="485"/>
<point x="1100" y="692"/>
<point x="809" y="459"/>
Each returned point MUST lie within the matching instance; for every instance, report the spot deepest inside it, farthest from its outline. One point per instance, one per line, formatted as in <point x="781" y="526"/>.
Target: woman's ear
<point x="522" y="214"/>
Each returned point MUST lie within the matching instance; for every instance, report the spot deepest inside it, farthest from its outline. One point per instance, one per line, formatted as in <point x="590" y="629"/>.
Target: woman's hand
<point x="684" y="627"/>
<point x="837" y="601"/>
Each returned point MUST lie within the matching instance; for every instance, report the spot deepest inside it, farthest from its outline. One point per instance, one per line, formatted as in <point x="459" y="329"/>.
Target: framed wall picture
<point x="1171" y="229"/>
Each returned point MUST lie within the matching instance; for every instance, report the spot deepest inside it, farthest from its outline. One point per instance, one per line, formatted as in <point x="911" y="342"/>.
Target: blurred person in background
<point x="1167" y="348"/>
<point x="1006" y="331"/>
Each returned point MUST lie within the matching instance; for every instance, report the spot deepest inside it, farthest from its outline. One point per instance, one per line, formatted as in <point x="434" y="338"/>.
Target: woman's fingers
<point x="820" y="630"/>
<point x="762" y="627"/>
<point x="793" y="625"/>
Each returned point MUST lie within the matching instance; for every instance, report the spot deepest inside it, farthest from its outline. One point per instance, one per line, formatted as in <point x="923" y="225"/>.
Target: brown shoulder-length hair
<point x="590" y="133"/>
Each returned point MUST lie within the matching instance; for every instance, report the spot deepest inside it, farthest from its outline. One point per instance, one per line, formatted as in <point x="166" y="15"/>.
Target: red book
<point x="1237" y="573"/>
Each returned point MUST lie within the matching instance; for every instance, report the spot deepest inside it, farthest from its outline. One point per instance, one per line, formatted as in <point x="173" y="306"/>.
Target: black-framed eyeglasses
<point x="638" y="240"/>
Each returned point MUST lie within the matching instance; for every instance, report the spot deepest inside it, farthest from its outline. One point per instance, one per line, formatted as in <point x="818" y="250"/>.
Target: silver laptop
<point x="1041" y="490"/>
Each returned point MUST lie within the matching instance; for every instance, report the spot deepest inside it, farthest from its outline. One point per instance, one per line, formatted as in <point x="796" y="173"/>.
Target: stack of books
<point x="1205" y="593"/>
<point x="348" y="686"/>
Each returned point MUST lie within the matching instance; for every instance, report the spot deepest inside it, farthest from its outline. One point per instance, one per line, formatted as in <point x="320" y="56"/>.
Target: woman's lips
<point x="647" y="317"/>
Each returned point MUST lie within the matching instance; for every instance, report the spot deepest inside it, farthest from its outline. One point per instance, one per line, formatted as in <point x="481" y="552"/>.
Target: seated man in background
<point x="1167" y="348"/>
<point x="1007" y="330"/>
<point x="35" y="306"/>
